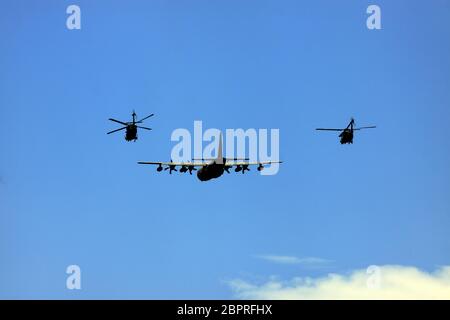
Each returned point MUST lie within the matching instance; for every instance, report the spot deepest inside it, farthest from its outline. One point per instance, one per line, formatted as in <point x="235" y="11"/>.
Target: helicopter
<point x="131" y="127"/>
<point x="346" y="134"/>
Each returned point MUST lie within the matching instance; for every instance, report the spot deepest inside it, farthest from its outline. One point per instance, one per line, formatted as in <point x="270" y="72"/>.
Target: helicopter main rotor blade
<point x="371" y="127"/>
<point x="144" y="128"/>
<point x="145" y="118"/>
<point x="323" y="129"/>
<point x="116" y="130"/>
<point x="111" y="119"/>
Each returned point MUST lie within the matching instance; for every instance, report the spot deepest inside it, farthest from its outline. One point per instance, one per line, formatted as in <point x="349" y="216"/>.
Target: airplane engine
<point x="183" y="169"/>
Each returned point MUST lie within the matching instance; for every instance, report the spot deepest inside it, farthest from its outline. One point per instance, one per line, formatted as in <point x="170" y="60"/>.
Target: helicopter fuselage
<point x="346" y="136"/>
<point x="131" y="132"/>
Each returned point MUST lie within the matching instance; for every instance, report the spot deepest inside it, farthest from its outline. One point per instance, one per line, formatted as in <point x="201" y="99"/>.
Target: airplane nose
<point x="201" y="175"/>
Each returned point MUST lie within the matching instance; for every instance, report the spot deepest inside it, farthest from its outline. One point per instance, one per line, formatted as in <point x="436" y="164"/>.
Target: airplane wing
<point x="187" y="164"/>
<point x="262" y="163"/>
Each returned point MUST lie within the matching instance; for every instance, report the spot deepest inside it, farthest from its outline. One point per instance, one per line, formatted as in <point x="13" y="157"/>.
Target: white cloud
<point x="395" y="282"/>
<point x="294" y="260"/>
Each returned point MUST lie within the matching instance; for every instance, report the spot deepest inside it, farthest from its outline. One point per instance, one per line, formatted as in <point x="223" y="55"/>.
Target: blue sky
<point x="70" y="194"/>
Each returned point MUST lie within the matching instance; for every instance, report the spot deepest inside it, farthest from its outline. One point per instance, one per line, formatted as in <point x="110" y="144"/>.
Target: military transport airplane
<point x="213" y="169"/>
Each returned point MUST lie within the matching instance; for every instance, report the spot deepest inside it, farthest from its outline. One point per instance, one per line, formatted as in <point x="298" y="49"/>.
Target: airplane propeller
<point x="242" y="168"/>
<point x="171" y="167"/>
<point x="191" y="168"/>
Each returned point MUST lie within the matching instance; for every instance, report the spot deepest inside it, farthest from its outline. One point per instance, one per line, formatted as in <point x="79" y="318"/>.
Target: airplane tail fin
<point x="220" y="158"/>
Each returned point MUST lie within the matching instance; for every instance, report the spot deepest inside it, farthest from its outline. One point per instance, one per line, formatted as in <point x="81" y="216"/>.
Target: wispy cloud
<point x="395" y="282"/>
<point x="306" y="261"/>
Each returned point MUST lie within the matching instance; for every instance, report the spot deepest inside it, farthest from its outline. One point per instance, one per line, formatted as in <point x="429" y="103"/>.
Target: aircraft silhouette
<point x="213" y="169"/>
<point x="346" y="134"/>
<point x="131" y="127"/>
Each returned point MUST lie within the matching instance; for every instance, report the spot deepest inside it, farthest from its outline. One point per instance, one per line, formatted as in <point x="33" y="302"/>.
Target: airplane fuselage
<point x="211" y="171"/>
